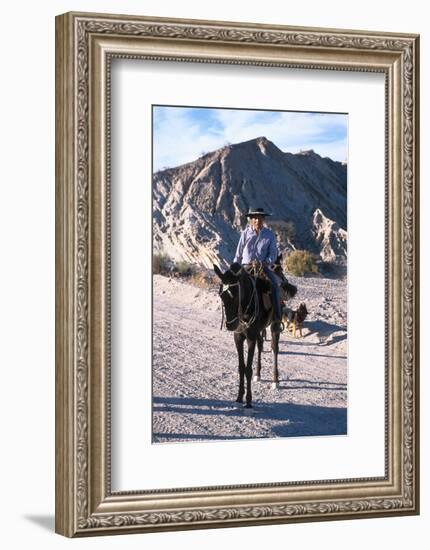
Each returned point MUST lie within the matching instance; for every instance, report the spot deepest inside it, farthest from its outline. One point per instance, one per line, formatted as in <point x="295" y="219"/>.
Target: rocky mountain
<point x="330" y="239"/>
<point x="199" y="208"/>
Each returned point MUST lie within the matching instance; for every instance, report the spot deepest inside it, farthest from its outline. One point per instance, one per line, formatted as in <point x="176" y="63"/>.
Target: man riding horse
<point x="257" y="247"/>
<point x="242" y="293"/>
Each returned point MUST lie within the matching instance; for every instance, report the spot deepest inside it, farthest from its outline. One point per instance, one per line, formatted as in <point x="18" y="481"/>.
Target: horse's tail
<point x="289" y="289"/>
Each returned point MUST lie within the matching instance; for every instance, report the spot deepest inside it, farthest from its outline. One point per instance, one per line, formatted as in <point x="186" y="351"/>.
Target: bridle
<point x="226" y="288"/>
<point x="243" y="325"/>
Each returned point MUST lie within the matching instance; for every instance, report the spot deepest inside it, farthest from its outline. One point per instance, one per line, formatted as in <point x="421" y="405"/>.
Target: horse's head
<point x="288" y="289"/>
<point x="229" y="293"/>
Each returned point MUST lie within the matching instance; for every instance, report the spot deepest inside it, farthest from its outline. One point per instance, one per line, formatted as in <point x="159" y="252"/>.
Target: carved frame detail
<point x="81" y="510"/>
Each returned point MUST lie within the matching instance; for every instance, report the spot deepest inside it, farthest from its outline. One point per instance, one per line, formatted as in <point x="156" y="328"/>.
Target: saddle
<point x="264" y="284"/>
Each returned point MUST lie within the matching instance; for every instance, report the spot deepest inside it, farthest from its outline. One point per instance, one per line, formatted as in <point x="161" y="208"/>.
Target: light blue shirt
<point x="252" y="246"/>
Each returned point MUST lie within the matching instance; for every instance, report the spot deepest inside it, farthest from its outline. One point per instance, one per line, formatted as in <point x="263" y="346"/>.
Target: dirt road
<point x="195" y="374"/>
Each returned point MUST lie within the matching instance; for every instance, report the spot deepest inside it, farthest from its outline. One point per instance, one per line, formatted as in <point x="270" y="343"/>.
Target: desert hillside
<point x="199" y="208"/>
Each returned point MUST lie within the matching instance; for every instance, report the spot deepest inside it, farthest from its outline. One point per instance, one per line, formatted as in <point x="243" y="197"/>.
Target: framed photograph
<point x="236" y="274"/>
<point x="201" y="221"/>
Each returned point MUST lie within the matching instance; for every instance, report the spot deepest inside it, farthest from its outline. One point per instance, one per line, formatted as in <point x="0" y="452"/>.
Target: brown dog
<point x="295" y="318"/>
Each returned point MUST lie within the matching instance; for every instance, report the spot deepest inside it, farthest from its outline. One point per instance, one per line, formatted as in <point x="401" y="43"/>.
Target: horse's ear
<point x="218" y="271"/>
<point x="235" y="268"/>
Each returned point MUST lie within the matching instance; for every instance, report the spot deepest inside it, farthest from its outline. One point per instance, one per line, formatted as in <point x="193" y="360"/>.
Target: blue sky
<point x="182" y="134"/>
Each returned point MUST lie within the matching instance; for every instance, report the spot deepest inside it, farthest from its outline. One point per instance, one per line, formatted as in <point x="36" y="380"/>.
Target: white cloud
<point x="178" y="140"/>
<point x="179" y="137"/>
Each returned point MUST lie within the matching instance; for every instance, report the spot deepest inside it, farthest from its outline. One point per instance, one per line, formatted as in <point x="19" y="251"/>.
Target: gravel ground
<point x="195" y="373"/>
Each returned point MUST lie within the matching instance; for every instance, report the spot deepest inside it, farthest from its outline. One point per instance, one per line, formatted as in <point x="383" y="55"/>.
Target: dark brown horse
<point x="247" y="313"/>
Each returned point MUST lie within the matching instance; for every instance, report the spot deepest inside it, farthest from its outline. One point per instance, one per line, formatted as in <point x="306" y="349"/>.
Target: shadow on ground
<point x="286" y="419"/>
<point x="45" y="522"/>
<point x="326" y="332"/>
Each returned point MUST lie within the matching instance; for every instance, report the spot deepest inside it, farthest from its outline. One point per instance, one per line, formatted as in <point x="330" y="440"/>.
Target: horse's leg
<point x="275" y="350"/>
<point x="238" y="340"/>
<point x="260" y="344"/>
<point x="248" y="371"/>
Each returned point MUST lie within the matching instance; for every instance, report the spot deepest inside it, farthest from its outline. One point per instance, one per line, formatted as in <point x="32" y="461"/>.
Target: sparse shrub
<point x="300" y="262"/>
<point x="183" y="269"/>
<point x="204" y="279"/>
<point x="160" y="264"/>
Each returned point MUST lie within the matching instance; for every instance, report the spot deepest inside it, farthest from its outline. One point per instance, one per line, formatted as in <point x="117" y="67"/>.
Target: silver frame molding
<point x="86" y="44"/>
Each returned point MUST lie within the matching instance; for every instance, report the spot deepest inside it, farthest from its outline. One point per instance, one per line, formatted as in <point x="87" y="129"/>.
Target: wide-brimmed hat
<point x="257" y="212"/>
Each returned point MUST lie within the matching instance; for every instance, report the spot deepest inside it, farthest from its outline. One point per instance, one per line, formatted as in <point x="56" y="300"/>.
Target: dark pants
<point x="276" y="297"/>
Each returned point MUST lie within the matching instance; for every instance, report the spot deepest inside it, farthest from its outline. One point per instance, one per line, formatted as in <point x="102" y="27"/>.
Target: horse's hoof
<point x="275" y="385"/>
<point x="248" y="406"/>
<point x="239" y="400"/>
<point x="257" y="378"/>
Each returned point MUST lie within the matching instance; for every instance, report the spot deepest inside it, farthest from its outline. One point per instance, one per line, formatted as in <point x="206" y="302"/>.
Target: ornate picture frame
<point x="86" y="44"/>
